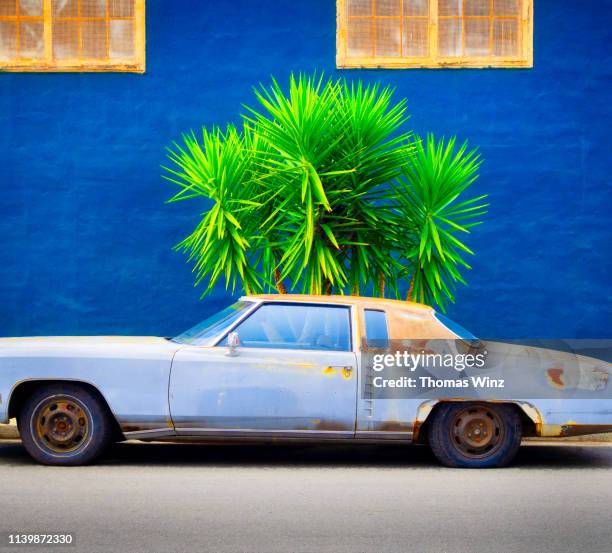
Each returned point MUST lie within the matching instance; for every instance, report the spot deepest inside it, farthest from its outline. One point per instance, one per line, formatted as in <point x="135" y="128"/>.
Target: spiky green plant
<point x="219" y="167"/>
<point x="428" y="195"/>
<point x="318" y="193"/>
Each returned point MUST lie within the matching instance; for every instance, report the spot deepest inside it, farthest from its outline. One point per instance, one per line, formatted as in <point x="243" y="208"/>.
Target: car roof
<point x="348" y="300"/>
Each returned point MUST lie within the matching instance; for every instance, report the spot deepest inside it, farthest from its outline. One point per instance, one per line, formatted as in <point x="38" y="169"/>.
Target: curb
<point x="9" y="431"/>
<point x="604" y="437"/>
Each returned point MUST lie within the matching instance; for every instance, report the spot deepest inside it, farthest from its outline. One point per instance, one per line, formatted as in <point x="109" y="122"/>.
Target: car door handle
<point x="344" y="370"/>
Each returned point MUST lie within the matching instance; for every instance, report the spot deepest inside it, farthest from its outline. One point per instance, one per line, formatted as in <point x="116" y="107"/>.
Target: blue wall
<point x="87" y="238"/>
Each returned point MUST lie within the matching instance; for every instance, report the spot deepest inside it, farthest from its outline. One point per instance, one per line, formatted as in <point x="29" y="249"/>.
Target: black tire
<point x="64" y="424"/>
<point x="475" y="435"/>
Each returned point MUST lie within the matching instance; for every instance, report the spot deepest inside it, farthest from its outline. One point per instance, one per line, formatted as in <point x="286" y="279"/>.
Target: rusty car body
<point x="227" y="380"/>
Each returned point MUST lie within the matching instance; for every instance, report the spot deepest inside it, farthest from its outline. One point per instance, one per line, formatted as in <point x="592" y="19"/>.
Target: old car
<point x="269" y="367"/>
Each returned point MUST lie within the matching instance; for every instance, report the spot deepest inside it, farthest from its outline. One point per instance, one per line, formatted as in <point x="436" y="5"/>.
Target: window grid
<point x="510" y="35"/>
<point x="77" y="36"/>
<point x="12" y="24"/>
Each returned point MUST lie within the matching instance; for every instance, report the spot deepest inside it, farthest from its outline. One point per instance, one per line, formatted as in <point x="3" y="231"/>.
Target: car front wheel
<point x="64" y="424"/>
<point x="475" y="435"/>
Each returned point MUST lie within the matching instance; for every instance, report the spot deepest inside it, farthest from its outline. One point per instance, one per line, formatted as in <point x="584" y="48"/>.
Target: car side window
<point x="376" y="328"/>
<point x="293" y="326"/>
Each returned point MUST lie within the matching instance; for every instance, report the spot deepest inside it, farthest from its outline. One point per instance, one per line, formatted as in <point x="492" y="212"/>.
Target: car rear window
<point x="377" y="331"/>
<point x="455" y="328"/>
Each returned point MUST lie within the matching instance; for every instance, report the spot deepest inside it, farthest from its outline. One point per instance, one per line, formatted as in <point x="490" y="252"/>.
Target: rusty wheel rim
<point x="61" y="424"/>
<point x="477" y="431"/>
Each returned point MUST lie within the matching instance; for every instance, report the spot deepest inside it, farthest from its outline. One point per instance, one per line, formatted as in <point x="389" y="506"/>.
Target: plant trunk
<point x="381" y="284"/>
<point x="327" y="289"/>
<point x="410" y="290"/>
<point x="280" y="285"/>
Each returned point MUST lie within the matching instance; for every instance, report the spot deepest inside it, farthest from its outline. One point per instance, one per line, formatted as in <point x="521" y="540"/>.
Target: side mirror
<point x="233" y="342"/>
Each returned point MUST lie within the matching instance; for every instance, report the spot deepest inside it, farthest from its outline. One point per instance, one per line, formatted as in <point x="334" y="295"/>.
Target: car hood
<point x="103" y="346"/>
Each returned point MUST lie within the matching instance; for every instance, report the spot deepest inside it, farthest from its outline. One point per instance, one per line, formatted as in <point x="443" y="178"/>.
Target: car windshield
<point x="455" y="328"/>
<point x="214" y="325"/>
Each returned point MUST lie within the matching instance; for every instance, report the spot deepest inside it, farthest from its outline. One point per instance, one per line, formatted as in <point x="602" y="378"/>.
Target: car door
<point x="294" y="373"/>
<point x="389" y="418"/>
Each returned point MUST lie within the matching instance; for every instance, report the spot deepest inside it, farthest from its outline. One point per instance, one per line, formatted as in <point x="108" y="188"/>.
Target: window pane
<point x="416" y="7"/>
<point x="416" y="37"/>
<point x="30" y="7"/>
<point x="360" y="7"/>
<point x="477" y="37"/>
<point x="93" y="36"/>
<point x="8" y="40"/>
<point x="505" y="37"/>
<point x="65" y="39"/>
<point x="8" y="7"/>
<point x="32" y="40"/>
<point x="387" y="7"/>
<point x="455" y="328"/>
<point x="65" y="8"/>
<point x="388" y="37"/>
<point x="377" y="333"/>
<point x="450" y="7"/>
<point x="449" y="37"/>
<point x="505" y="7"/>
<point x="86" y="35"/>
<point x="470" y="33"/>
<point x="121" y="38"/>
<point x="476" y="7"/>
<point x="93" y="8"/>
<point x="213" y="325"/>
<point x="297" y="327"/>
<point x="121" y="8"/>
<point x="359" y="38"/>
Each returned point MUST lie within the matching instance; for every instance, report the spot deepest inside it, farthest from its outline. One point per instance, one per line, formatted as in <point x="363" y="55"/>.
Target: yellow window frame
<point x="133" y="64"/>
<point x="433" y="60"/>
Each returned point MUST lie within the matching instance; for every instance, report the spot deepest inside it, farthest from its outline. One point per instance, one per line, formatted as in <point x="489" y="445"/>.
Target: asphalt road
<point x="166" y="498"/>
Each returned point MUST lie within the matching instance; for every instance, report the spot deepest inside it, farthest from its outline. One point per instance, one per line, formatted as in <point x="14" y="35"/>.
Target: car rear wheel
<point x="475" y="435"/>
<point x="64" y="424"/>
